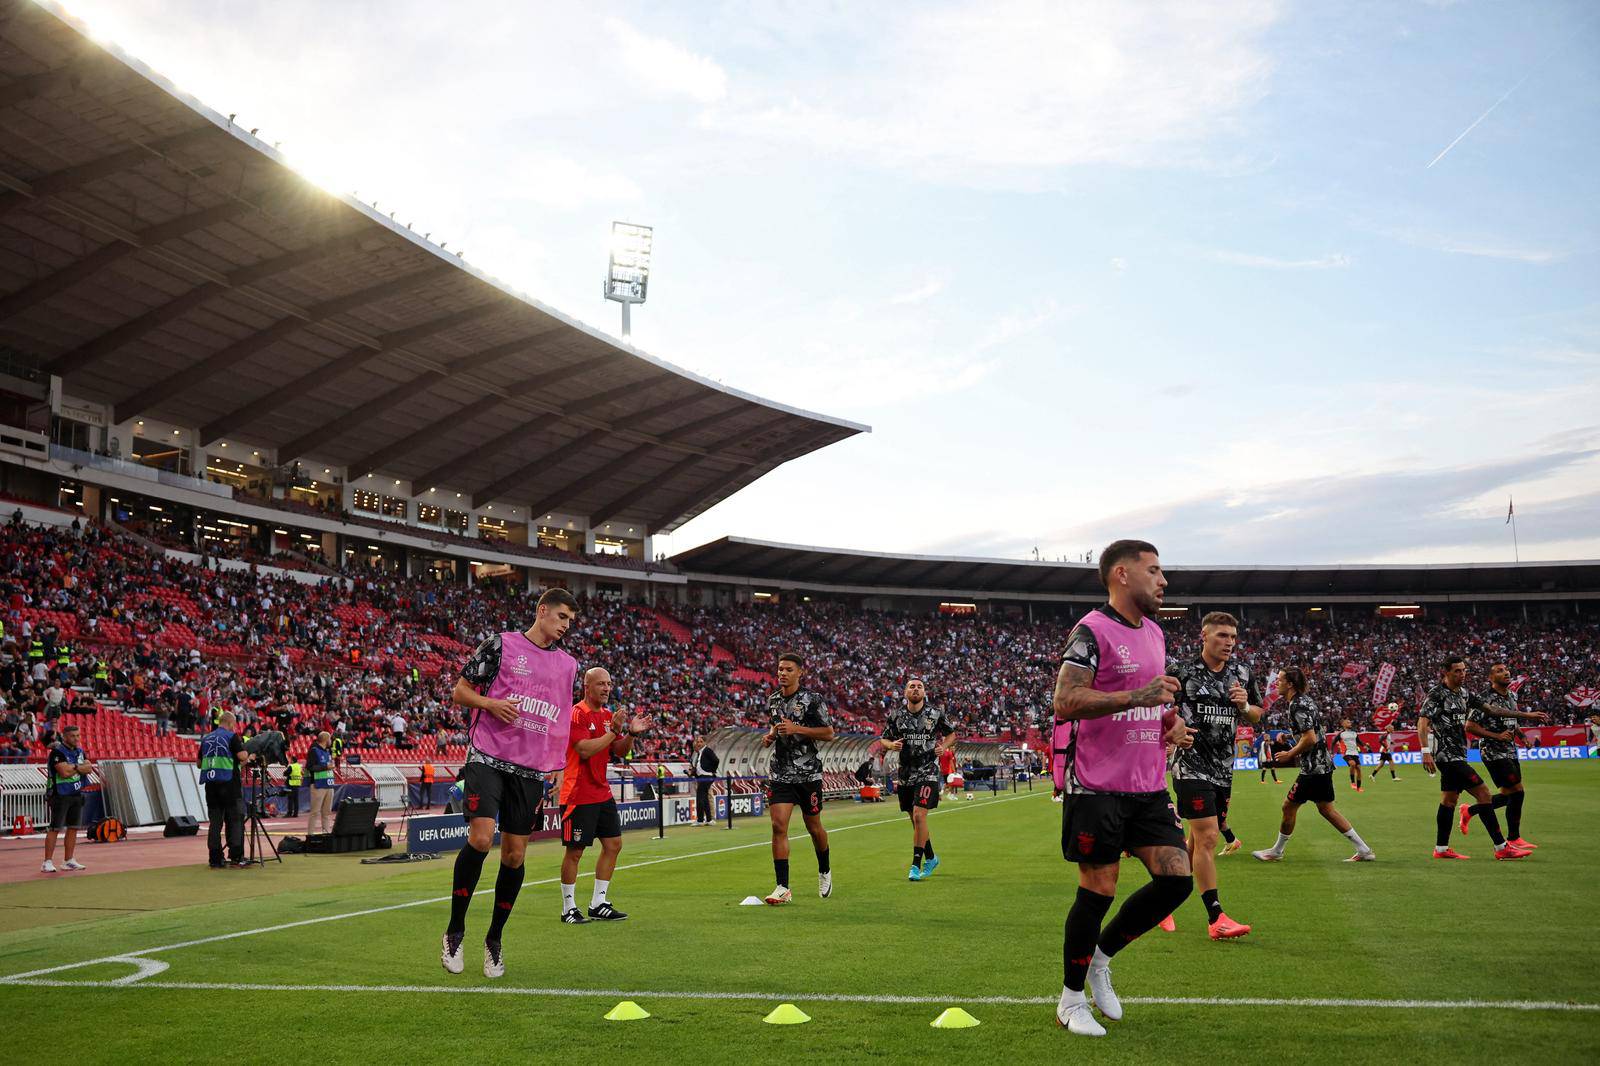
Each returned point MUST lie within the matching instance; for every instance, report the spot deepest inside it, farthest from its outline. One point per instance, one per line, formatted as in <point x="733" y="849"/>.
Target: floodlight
<point x="628" y="274"/>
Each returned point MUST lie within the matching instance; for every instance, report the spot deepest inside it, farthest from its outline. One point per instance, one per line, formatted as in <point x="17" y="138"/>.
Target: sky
<point x="1260" y="282"/>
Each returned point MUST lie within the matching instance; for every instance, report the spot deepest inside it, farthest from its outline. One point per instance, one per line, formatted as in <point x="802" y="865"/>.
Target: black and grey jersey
<point x="1203" y="701"/>
<point x="483" y="665"/>
<point x="1446" y="712"/>
<point x="1489" y="716"/>
<point x="1304" y="715"/>
<point x="794" y="759"/>
<point x="918" y="732"/>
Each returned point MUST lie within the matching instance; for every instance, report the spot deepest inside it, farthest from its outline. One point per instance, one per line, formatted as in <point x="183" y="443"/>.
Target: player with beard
<point x="1113" y="725"/>
<point x="1214" y="691"/>
<point x="799" y="722"/>
<point x="1499" y="718"/>
<point x="1386" y="748"/>
<point x="919" y="733"/>
<point x="1350" y="748"/>
<point x="1315" y="783"/>
<point x="518" y="687"/>
<point x="1443" y="720"/>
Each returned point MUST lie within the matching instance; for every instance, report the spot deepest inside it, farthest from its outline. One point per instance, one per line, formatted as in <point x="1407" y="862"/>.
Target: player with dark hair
<point x="1113" y="725"/>
<point x="1264" y="756"/>
<point x="919" y="733"/>
<point x="518" y="687"/>
<point x="1386" y="748"/>
<point x="799" y="721"/>
<point x="1350" y="748"/>
<point x="1315" y="783"/>
<point x="1443" y="719"/>
<point x="1498" y="716"/>
<point x="1214" y="691"/>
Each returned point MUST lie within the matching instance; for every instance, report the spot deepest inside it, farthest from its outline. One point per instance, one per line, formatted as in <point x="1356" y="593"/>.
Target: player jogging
<point x="1386" y="749"/>
<point x="920" y="734"/>
<point x="1214" y="691"/>
<point x="519" y="689"/>
<point x="1264" y="756"/>
<point x="1113" y="721"/>
<point x="1498" y="716"/>
<point x="1350" y="748"/>
<point x="588" y="810"/>
<point x="1315" y="783"/>
<point x="1442" y="719"/>
<point x="799" y="721"/>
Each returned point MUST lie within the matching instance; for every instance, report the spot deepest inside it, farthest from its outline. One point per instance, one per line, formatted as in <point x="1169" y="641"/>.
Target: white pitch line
<point x="130" y="955"/>
<point x="826" y="997"/>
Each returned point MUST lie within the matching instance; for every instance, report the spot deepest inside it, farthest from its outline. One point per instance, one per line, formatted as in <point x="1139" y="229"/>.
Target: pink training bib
<point x="1126" y="751"/>
<point x="539" y="681"/>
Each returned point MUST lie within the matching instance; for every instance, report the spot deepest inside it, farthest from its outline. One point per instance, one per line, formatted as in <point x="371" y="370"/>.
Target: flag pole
<point x="1511" y="516"/>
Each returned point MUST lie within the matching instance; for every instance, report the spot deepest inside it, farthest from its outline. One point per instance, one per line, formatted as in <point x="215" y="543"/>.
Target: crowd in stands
<point x="371" y="657"/>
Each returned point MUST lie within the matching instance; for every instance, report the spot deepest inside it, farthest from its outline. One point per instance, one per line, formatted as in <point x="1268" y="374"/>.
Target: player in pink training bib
<point x="1114" y="720"/>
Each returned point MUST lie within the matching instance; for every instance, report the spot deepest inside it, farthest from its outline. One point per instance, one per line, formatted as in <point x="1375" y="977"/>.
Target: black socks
<point x="1441" y="818"/>
<point x="1485" y="813"/>
<point x="506" y="887"/>
<point x="822" y="861"/>
<point x="1213" y="905"/>
<point x="469" y="865"/>
<point x="1142" y="910"/>
<point x="1514" y="815"/>
<point x="927" y="848"/>
<point x="916" y="856"/>
<point x="1083" y="929"/>
<point x="1227" y="835"/>
<point x="781" y="867"/>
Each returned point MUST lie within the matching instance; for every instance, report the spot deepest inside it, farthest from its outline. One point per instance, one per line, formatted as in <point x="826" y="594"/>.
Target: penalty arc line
<point x="827" y="997"/>
<point x="128" y="956"/>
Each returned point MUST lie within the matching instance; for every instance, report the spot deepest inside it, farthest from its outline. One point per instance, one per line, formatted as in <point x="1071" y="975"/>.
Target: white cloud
<point x="668" y="69"/>
<point x="926" y="291"/>
<point x="1118" y="264"/>
<point x="565" y="184"/>
<point x="1026" y="85"/>
<point x="1013" y="324"/>
<point x="1332" y="261"/>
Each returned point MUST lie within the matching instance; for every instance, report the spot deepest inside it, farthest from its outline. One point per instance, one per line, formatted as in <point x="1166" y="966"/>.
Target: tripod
<point x="256" y="827"/>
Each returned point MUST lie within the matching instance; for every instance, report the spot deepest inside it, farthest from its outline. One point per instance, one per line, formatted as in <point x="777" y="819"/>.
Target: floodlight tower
<point x="628" y="276"/>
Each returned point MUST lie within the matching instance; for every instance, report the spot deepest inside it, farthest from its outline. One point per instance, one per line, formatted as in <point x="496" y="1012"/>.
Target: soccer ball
<point x="1394" y="706"/>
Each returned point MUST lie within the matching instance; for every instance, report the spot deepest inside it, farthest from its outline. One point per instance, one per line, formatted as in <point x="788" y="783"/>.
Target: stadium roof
<point x="168" y="263"/>
<point x="1000" y="578"/>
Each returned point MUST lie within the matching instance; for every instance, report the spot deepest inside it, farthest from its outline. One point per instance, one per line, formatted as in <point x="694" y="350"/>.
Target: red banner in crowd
<point x="1383" y="717"/>
<point x="1517" y="683"/>
<point x="1584" y="697"/>
<point x="1380" y="691"/>
<point x="1352" y="670"/>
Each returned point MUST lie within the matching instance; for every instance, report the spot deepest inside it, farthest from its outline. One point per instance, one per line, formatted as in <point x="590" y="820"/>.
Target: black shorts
<point x="1097" y="828"/>
<point x="1201" y="799"/>
<point x="489" y="793"/>
<point x="584" y="823"/>
<point x="66" y="812"/>
<point x="1504" y="772"/>
<point x="1311" y="788"/>
<point x="1384" y="757"/>
<point x="807" y="795"/>
<point x="1457" y="777"/>
<point x="925" y="795"/>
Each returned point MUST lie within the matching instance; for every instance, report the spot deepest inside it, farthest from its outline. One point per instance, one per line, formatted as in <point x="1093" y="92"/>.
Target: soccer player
<point x="1442" y="719"/>
<point x="1214" y="691"/>
<point x="799" y="721"/>
<point x="1264" y="756"/>
<point x="1499" y="717"/>
<point x="1386" y="749"/>
<point x="588" y="810"/>
<point x="920" y="734"/>
<point x="1315" y="783"/>
<point x="1114" y="721"/>
<point x="1594" y="736"/>
<point x="1350" y="748"/>
<point x="518" y="687"/>
<point x="947" y="770"/>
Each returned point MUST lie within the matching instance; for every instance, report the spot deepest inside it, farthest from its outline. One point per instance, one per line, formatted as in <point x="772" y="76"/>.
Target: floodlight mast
<point x="628" y="275"/>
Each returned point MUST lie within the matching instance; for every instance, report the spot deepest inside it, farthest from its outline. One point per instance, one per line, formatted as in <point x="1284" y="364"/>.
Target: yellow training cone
<point x="627" y="1011"/>
<point x="955" y="1018"/>
<point x="787" y="1014"/>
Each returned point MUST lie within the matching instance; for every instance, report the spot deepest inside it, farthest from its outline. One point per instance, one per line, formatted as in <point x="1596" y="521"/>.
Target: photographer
<point x="221" y="757"/>
<point x="319" y="767"/>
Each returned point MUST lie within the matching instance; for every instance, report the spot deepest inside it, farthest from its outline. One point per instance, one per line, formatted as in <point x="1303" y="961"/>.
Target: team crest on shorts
<point x="1085" y="843"/>
<point x="1198" y="803"/>
<point x="472" y="803"/>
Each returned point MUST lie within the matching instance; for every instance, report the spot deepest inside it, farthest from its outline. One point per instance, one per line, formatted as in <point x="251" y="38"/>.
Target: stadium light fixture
<point x="628" y="274"/>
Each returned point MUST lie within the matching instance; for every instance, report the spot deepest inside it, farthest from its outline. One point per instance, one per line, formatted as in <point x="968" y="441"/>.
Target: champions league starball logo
<point x="1122" y="650"/>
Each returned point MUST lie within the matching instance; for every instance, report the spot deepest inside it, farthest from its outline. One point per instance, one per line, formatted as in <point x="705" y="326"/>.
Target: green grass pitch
<point x="986" y="926"/>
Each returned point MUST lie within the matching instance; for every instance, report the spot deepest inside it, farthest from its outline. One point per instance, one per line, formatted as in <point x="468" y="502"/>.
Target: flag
<point x="1272" y="690"/>
<point x="1383" y="717"/>
<point x="1380" y="691"/>
<point x="1352" y="670"/>
<point x="1584" y="697"/>
<point x="1510" y="510"/>
<point x="1517" y="683"/>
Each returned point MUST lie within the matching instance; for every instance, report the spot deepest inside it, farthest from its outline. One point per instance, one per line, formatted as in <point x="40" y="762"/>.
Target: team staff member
<point x="1215" y="690"/>
<point x="519" y="689"/>
<point x="921" y="734"/>
<point x="68" y="765"/>
<point x="319" y="767"/>
<point x="1499" y="719"/>
<point x="1315" y="783"/>
<point x="705" y="773"/>
<point x="588" y="810"/>
<point x="799" y="721"/>
<point x="426" y="782"/>
<point x="293" y="779"/>
<point x="221" y="758"/>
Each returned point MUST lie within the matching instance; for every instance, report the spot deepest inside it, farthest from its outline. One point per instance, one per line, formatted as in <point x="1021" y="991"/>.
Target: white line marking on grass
<point x="825" y="997"/>
<point x="128" y="956"/>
